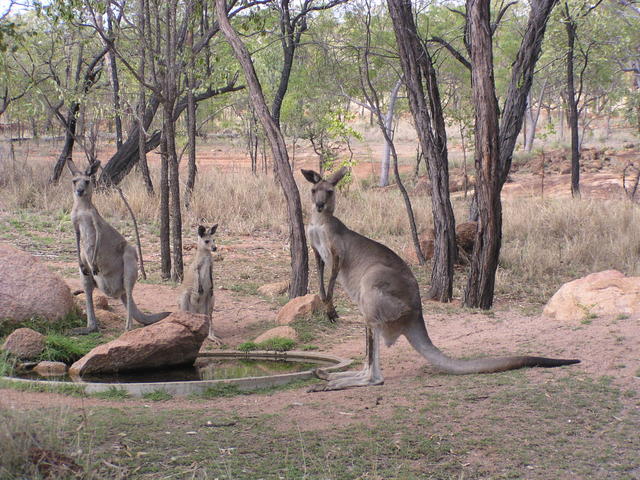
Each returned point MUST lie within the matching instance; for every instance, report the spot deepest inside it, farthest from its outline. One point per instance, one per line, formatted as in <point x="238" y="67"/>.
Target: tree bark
<point x="572" y="103"/>
<point x="299" y="254"/>
<point x="165" y="248"/>
<point x="142" y="137"/>
<point x="388" y="126"/>
<point x="191" y="125"/>
<point x="417" y="67"/>
<point x="484" y="262"/>
<point x="121" y="163"/>
<point x="70" y="123"/>
<point x="115" y="82"/>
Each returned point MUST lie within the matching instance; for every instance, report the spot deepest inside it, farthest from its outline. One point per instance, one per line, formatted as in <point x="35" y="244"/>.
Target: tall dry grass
<point x="36" y="445"/>
<point x="548" y="242"/>
<point x="545" y="242"/>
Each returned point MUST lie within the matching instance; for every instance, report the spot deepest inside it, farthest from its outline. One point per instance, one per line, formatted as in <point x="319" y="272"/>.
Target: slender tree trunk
<point x="169" y="126"/>
<point x="484" y="261"/>
<point x="165" y="248"/>
<point x="115" y="82"/>
<point x="69" y="141"/>
<point x="417" y="67"/>
<point x="572" y="103"/>
<point x="191" y="125"/>
<point x="388" y="126"/>
<point x="140" y="121"/>
<point x="299" y="257"/>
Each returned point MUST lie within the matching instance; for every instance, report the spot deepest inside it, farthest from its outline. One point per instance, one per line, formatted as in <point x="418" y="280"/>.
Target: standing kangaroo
<point x="106" y="259"/>
<point x="386" y="292"/>
<point x="197" y="286"/>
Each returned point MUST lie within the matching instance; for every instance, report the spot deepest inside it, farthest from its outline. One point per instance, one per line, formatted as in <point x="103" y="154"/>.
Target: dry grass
<point x="35" y="447"/>
<point x="545" y="243"/>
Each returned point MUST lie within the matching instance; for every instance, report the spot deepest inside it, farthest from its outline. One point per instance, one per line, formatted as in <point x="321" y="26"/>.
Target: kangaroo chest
<point x="319" y="239"/>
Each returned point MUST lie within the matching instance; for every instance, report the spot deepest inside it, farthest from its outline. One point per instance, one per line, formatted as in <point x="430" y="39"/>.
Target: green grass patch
<point x="60" y="348"/>
<point x="45" y="387"/>
<point x="113" y="393"/>
<point x="73" y="319"/>
<point x="244" y="288"/>
<point x="157" y="396"/>
<point x="278" y="344"/>
<point x="217" y="391"/>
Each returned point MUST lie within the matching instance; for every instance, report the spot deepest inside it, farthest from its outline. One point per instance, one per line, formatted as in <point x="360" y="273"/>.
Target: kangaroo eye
<point x="206" y="241"/>
<point x="75" y="181"/>
<point x="313" y="190"/>
<point x="329" y="192"/>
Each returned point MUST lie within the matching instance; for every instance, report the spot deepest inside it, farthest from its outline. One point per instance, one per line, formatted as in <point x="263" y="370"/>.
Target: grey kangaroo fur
<point x="197" y="287"/>
<point x="386" y="292"/>
<point x="105" y="258"/>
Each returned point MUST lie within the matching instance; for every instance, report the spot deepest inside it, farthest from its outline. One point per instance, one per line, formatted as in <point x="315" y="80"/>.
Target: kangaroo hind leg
<point x="370" y="375"/>
<point x="129" y="277"/>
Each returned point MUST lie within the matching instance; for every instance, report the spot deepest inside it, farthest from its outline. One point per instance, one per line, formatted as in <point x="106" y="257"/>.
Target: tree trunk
<point x="429" y="119"/>
<point x="115" y="82"/>
<point x="69" y="141"/>
<point x="388" y="126"/>
<point x="572" y="103"/>
<point x="142" y="137"/>
<point x="191" y="125"/>
<point x="121" y="163"/>
<point x="299" y="257"/>
<point x="165" y="249"/>
<point x="484" y="261"/>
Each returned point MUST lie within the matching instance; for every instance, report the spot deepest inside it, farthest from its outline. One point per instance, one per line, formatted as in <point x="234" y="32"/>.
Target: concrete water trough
<point x="324" y="362"/>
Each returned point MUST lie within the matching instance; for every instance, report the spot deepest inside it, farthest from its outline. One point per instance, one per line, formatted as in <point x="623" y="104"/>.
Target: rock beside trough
<point x="283" y="331"/>
<point x="299" y="307"/>
<point x="173" y="341"/>
<point x="29" y="289"/>
<point x="24" y="343"/>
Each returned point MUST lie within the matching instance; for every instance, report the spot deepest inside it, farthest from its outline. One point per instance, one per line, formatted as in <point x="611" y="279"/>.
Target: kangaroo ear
<point x="311" y="176"/>
<point x="92" y="169"/>
<point x="201" y="230"/>
<point x="213" y="229"/>
<point x="336" y="177"/>
<point x="72" y="167"/>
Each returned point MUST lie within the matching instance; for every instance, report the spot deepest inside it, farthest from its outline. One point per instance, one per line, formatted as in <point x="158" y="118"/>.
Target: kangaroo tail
<point x="417" y="335"/>
<point x="144" y="318"/>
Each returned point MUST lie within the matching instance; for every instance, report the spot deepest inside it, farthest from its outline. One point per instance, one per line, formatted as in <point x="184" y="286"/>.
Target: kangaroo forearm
<point x="95" y="244"/>
<point x="335" y="269"/>
<point x="320" y="264"/>
<point x="78" y="246"/>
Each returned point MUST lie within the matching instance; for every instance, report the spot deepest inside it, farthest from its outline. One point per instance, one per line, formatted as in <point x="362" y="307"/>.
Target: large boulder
<point x="283" y="331"/>
<point x="299" y="307"/>
<point x="28" y="289"/>
<point x="173" y="341"/>
<point x="24" y="343"/>
<point x="602" y="293"/>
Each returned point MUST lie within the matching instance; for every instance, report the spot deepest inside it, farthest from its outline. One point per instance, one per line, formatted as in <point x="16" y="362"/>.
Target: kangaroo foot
<point x="83" y="330"/>
<point x="344" y="383"/>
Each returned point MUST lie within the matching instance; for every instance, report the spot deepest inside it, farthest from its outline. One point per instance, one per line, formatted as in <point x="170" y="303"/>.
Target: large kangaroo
<point x="386" y="292"/>
<point x="197" y="287"/>
<point x="106" y="259"/>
